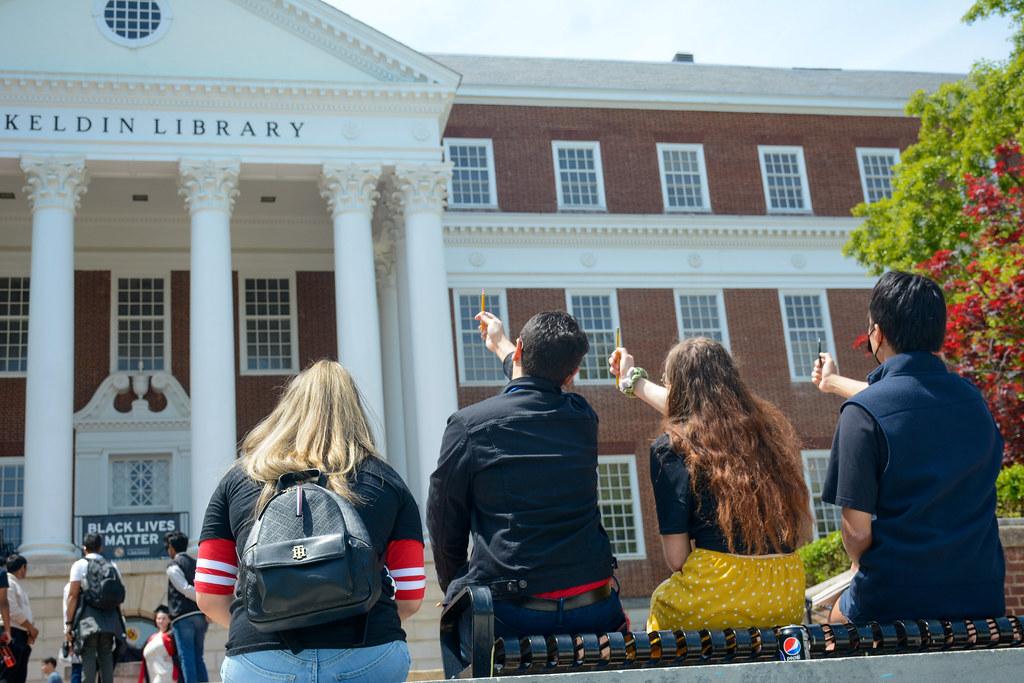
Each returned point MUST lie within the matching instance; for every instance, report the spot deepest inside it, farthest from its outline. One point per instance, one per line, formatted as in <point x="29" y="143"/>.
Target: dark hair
<point x="176" y="540"/>
<point x="93" y="543"/>
<point x="51" y="661"/>
<point x="162" y="608"/>
<point x="911" y="311"/>
<point x="553" y="345"/>
<point x="739" y="446"/>
<point x="15" y="562"/>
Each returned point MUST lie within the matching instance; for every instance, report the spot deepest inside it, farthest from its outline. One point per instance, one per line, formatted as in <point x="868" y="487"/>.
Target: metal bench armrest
<point x="473" y="657"/>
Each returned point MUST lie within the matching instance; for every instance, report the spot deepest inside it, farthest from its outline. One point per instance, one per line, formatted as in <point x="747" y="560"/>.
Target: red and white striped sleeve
<point x="217" y="567"/>
<point x="404" y="560"/>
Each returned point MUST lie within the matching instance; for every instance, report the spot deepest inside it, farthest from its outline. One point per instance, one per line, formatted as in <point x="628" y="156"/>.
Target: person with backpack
<point x="188" y="623"/>
<point x="93" y="617"/>
<point x="311" y="552"/>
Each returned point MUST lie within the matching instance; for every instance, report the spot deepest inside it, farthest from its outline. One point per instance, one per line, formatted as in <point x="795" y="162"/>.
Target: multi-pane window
<point x="701" y="315"/>
<point x="578" y="177"/>
<point x="618" y="501"/>
<point x="876" y="172"/>
<point x="132" y="19"/>
<point x="596" y="313"/>
<point x="13" y="324"/>
<point x="684" y="182"/>
<point x="141" y="324"/>
<point x="785" y="179"/>
<point x="472" y="183"/>
<point x="827" y="517"/>
<point x="477" y="365"/>
<point x="806" y="323"/>
<point x="12" y="502"/>
<point x="140" y="483"/>
<point x="267" y="316"/>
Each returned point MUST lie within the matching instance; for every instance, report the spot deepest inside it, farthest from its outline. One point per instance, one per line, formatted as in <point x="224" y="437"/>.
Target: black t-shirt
<point x="680" y="511"/>
<point x="390" y="514"/>
<point x="3" y="579"/>
<point x="859" y="456"/>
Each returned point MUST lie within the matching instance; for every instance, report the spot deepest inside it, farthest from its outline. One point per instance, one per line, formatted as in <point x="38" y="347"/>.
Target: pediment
<point x="258" y="41"/>
<point x="101" y="413"/>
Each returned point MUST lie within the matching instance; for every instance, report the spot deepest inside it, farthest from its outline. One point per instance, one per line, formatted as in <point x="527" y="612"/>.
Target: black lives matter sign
<point x="133" y="536"/>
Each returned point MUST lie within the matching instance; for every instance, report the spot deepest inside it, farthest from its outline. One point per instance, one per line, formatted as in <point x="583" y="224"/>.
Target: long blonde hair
<point x="319" y="423"/>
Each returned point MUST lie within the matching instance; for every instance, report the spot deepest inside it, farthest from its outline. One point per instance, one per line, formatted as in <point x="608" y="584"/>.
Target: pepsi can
<point x="794" y="644"/>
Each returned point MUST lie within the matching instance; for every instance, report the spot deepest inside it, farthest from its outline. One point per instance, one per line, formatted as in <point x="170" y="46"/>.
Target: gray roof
<point x="688" y="78"/>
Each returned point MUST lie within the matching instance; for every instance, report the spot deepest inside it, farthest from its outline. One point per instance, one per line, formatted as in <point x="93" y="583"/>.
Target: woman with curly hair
<point x="729" y="490"/>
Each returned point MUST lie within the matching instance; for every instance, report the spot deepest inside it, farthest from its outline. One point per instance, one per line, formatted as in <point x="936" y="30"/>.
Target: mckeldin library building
<point x="198" y="198"/>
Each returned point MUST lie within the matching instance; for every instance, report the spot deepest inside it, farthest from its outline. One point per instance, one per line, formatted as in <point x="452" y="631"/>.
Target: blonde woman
<point x="320" y="424"/>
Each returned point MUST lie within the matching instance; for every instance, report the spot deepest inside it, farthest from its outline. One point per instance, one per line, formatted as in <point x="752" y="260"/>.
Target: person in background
<point x="320" y="424"/>
<point x="24" y="632"/>
<point x="159" y="664"/>
<point x="5" y="607"/>
<point x="914" y="462"/>
<point x="67" y="652"/>
<point x="729" y="492"/>
<point x="187" y="622"/>
<point x="49" y="669"/>
<point x="97" y="647"/>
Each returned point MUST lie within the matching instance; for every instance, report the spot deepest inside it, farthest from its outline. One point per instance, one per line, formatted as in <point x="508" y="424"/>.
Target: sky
<point x="901" y="35"/>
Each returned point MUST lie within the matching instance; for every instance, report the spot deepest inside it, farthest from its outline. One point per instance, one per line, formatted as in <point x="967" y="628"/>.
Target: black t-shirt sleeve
<point x="671" y="483"/>
<point x="859" y="455"/>
<point x="3" y="579"/>
<point x="217" y="522"/>
<point x="407" y="521"/>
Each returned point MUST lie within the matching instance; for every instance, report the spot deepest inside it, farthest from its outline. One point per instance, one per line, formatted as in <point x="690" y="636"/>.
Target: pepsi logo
<point x="791" y="646"/>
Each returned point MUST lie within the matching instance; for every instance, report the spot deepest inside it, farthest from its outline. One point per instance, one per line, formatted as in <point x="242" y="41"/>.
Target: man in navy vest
<point x="187" y="623"/>
<point x="914" y="463"/>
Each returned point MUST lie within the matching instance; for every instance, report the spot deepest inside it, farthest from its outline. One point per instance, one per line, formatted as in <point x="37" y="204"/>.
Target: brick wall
<point x="524" y="171"/>
<point x="1014" y="549"/>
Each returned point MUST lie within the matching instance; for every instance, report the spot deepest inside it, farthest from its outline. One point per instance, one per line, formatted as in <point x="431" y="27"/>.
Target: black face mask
<point x="874" y="352"/>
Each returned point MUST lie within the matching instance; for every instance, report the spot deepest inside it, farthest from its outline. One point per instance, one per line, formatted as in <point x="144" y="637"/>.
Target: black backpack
<point x="102" y="587"/>
<point x="308" y="560"/>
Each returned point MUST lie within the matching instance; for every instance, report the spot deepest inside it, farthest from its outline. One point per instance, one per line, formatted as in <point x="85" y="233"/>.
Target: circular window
<point x="132" y="23"/>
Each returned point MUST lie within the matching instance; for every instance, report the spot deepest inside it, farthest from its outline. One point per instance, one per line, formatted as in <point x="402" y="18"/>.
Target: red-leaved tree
<point x="983" y="278"/>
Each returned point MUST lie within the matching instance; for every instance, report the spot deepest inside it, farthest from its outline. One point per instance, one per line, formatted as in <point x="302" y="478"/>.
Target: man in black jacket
<point x="187" y="623"/>
<point x="518" y="473"/>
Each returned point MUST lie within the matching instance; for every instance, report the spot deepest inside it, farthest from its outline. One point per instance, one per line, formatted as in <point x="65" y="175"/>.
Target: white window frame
<point x="805" y="186"/>
<point x="719" y="297"/>
<point x="614" y="303"/>
<point x="806" y="455"/>
<point x="17" y="460"/>
<point x="598" y="167"/>
<point x="20" y="274"/>
<point x="492" y="184"/>
<point x="114" y="277"/>
<point x="124" y="457"/>
<point x="456" y="293"/>
<point x="702" y="169"/>
<point x="827" y="345"/>
<point x="871" y="151"/>
<point x="638" y="515"/>
<point x="243" y="354"/>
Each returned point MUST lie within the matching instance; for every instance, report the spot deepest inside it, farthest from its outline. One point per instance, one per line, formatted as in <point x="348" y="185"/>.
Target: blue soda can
<point x="794" y="644"/>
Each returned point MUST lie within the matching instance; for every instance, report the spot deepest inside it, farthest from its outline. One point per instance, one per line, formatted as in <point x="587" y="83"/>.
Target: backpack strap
<point x="292" y="478"/>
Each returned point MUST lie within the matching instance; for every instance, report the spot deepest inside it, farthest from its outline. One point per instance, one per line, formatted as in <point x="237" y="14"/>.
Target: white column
<point x="55" y="186"/>
<point x="423" y="190"/>
<point x="391" y="337"/>
<point x="351" y="191"/>
<point x="209" y="188"/>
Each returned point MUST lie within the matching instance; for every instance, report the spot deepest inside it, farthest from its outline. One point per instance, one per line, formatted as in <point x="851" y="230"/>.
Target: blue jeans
<point x="189" y="636"/>
<point x="388" y="663"/>
<point x="76" y="673"/>
<point x="601" y="617"/>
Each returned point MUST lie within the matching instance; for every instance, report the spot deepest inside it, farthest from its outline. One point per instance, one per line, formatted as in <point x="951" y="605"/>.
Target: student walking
<point x="24" y="632"/>
<point x="729" y="491"/>
<point x="93" y="614"/>
<point x="188" y="623"/>
<point x="316" y="437"/>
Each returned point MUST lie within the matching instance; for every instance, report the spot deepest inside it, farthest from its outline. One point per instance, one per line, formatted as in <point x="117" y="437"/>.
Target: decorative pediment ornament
<point x="55" y="182"/>
<point x="424" y="187"/>
<point x="101" y="415"/>
<point x="209" y="183"/>
<point x="349" y="187"/>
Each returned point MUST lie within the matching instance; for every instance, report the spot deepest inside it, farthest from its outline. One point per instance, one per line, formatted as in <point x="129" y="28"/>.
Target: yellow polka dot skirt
<point x="718" y="590"/>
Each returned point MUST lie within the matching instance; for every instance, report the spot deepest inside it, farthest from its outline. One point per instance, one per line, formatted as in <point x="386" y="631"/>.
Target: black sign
<point x="132" y="537"/>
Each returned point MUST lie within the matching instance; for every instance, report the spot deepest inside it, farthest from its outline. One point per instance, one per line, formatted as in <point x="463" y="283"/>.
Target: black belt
<point x="575" y="602"/>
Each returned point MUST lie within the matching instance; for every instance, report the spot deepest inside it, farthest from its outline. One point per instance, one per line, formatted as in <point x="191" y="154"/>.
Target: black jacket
<point x="177" y="603"/>
<point x="518" y="472"/>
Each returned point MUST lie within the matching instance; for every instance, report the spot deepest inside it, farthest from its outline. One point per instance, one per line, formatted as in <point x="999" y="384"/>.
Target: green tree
<point x="961" y="123"/>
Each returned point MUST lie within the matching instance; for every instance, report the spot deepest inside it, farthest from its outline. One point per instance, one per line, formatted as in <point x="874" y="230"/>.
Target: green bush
<point x="1010" y="492"/>
<point x="824" y="558"/>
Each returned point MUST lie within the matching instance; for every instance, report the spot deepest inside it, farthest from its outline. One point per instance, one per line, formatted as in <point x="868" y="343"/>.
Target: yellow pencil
<point x="618" y="344"/>
<point x="483" y="307"/>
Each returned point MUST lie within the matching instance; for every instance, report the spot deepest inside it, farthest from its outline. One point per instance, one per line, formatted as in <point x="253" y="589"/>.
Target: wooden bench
<point x="486" y="656"/>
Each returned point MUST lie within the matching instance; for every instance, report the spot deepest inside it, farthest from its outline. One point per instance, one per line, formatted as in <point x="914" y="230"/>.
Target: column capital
<point x="208" y="183"/>
<point x="55" y="182"/>
<point x="349" y="187"/>
<point x="423" y="187"/>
